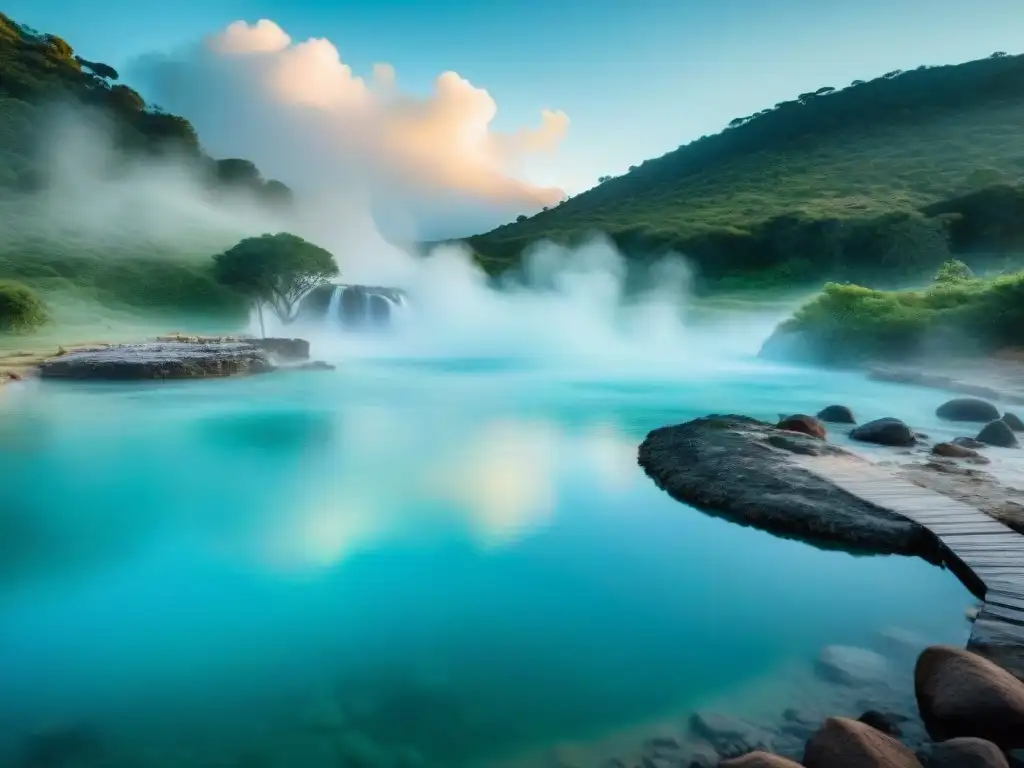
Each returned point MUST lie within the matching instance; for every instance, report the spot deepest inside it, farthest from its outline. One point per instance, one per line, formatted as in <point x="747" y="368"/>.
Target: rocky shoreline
<point x="167" y="357"/>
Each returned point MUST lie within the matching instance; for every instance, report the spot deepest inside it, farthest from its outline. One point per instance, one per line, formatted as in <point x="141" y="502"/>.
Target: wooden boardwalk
<point x="987" y="556"/>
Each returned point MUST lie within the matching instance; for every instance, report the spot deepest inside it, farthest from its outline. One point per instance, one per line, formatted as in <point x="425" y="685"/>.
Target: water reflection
<point x="308" y="570"/>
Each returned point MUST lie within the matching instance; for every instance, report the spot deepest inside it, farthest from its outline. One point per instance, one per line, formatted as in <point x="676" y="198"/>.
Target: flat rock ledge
<point x="159" y="360"/>
<point x="741" y="469"/>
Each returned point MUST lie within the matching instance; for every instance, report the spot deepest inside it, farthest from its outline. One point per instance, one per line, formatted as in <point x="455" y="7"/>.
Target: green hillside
<point x="837" y="183"/>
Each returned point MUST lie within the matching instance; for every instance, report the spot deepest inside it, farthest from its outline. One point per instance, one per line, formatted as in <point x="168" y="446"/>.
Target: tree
<point x="520" y="218"/>
<point x="953" y="271"/>
<point x="279" y="270"/>
<point x="21" y="309"/>
<point x="603" y="179"/>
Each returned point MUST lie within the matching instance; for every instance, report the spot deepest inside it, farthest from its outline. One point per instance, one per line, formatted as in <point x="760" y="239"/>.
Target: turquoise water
<point x="457" y="558"/>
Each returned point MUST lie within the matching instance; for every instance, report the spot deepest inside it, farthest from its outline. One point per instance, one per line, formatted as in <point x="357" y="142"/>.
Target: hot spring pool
<point x="461" y="558"/>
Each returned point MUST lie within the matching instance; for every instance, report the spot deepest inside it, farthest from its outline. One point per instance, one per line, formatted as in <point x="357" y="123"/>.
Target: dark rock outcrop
<point x="844" y="743"/>
<point x="962" y="694"/>
<point x="888" y="431"/>
<point x="744" y="470"/>
<point x="837" y="414"/>
<point x="964" y="753"/>
<point x="159" y="360"/>
<point x="804" y="424"/>
<point x="758" y="760"/>
<point x="967" y="409"/>
<point x="851" y="666"/>
<point x="1013" y="421"/>
<point x="999" y="434"/>
<point x="954" y="451"/>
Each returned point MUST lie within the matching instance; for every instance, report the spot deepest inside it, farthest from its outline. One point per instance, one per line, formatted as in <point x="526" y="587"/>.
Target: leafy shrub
<point x="953" y="271"/>
<point x="21" y="309"/>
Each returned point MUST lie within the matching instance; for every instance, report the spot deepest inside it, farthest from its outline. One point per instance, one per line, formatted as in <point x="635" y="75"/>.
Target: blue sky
<point x="637" y="77"/>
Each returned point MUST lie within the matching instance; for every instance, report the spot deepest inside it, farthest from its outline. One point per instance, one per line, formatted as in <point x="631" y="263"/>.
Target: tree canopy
<point x="21" y="309"/>
<point x="278" y="270"/>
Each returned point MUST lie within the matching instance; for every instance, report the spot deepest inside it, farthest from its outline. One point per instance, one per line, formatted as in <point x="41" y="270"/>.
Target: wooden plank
<point x="1000" y="613"/>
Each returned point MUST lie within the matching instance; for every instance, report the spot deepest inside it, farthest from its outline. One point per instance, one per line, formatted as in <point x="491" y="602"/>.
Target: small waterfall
<point x="333" y="318"/>
<point x="362" y="307"/>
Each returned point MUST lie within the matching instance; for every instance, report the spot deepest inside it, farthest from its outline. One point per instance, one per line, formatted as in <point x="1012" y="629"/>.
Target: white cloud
<point x="301" y="113"/>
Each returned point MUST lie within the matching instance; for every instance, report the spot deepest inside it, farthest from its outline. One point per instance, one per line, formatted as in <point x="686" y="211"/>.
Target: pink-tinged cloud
<point x="296" y="109"/>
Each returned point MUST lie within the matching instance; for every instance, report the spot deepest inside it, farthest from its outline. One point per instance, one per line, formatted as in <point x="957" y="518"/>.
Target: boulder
<point x="954" y="451"/>
<point x="962" y="694"/>
<point x="837" y="414"/>
<point x="807" y="425"/>
<point x="967" y="409"/>
<point x="159" y="360"/>
<point x="888" y="431"/>
<point x="844" y="743"/>
<point x="744" y="470"/>
<point x="965" y="753"/>
<point x="851" y="666"/>
<point x="758" y="760"/>
<point x="1013" y="421"/>
<point x="999" y="434"/>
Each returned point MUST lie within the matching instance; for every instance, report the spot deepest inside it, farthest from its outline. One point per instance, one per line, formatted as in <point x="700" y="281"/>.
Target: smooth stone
<point x="851" y="666"/>
<point x="845" y="743"/>
<point x="887" y="431"/>
<point x="965" y="753"/>
<point x="837" y="414"/>
<point x="954" y="451"/>
<point x="759" y="760"/>
<point x="742" y="469"/>
<point x="807" y="425"/>
<point x="967" y="409"/>
<point x="971" y="613"/>
<point x="960" y="693"/>
<point x="1013" y="421"/>
<point x="999" y="434"/>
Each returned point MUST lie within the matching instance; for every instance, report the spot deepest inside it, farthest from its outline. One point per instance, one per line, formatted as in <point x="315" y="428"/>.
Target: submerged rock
<point x="967" y="409"/>
<point x="851" y="666"/>
<point x="880" y="721"/>
<point x="887" y="431"/>
<point x="1013" y="421"/>
<point x="844" y="743"/>
<point x="758" y="760"/>
<point x="744" y="470"/>
<point x="962" y="694"/>
<point x="965" y="753"/>
<point x="807" y="425"/>
<point x="837" y="414"/>
<point x="954" y="451"/>
<point x="76" y="745"/>
<point x="999" y="434"/>
<point x="968" y="442"/>
<point x="730" y="736"/>
<point x="159" y="360"/>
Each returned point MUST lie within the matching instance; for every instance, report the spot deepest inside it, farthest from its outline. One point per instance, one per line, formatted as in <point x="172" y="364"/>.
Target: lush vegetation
<point x="21" y="309"/>
<point x="957" y="313"/>
<point x="277" y="270"/>
<point x="879" y="179"/>
<point x="39" y="70"/>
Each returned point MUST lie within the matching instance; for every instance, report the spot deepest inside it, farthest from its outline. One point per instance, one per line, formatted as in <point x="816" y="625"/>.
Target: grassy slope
<point x="91" y="282"/>
<point x="893" y="145"/>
